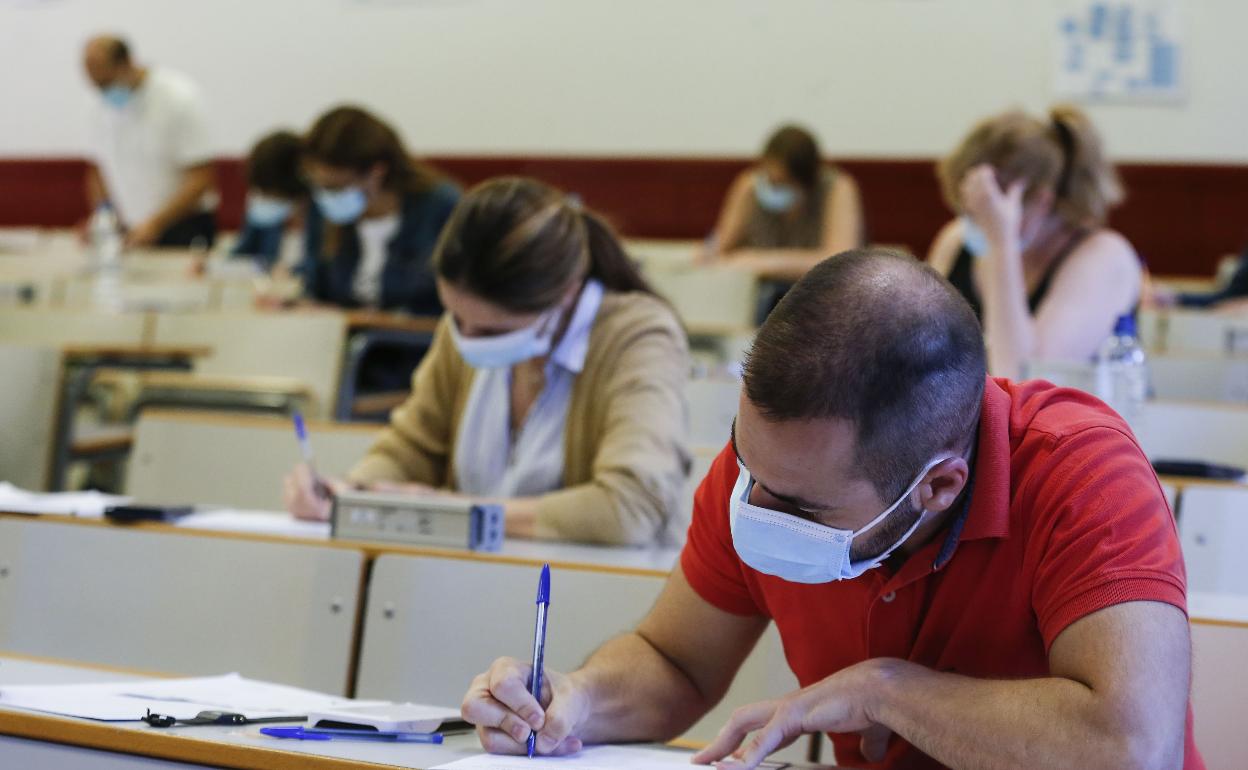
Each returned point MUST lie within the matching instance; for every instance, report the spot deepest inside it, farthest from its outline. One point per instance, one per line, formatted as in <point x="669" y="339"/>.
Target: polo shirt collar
<point x="986" y="509"/>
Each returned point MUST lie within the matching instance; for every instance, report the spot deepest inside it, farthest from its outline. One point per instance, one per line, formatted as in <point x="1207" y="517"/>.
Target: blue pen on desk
<point x="324" y="734"/>
<point x="539" y="645"/>
<point x="305" y="448"/>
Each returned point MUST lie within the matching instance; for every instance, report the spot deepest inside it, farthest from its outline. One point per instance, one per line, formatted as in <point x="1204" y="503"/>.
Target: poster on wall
<point x="1120" y="51"/>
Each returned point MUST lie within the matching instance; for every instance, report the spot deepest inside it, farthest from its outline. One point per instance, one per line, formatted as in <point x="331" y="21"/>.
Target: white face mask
<point x="802" y="551"/>
<point x="263" y="211"/>
<point x="505" y="350"/>
<point x="773" y="197"/>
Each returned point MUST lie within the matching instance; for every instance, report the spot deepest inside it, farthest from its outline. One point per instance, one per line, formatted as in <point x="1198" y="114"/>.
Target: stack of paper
<point x="92" y="504"/>
<point x="593" y="758"/>
<point x="256" y="523"/>
<point x="179" y="698"/>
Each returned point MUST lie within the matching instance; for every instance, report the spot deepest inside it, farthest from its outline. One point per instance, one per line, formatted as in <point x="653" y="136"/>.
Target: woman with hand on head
<point x="555" y="383"/>
<point x="376" y="218"/>
<point x="1030" y="251"/>
<point x="786" y="214"/>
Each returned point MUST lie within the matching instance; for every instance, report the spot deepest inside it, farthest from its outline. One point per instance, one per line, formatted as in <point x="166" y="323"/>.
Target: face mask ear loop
<point x="904" y="495"/>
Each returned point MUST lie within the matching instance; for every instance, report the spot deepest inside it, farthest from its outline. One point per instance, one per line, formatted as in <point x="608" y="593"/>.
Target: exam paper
<point x="256" y="523"/>
<point x="592" y="758"/>
<point x="89" y="504"/>
<point x="179" y="698"/>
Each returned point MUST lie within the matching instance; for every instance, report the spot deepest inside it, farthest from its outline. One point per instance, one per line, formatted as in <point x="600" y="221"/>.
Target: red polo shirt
<point x="1066" y="517"/>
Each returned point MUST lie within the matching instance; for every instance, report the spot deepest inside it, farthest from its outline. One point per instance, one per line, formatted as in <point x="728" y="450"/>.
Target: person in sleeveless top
<point x="1030" y="251"/>
<point x="786" y="213"/>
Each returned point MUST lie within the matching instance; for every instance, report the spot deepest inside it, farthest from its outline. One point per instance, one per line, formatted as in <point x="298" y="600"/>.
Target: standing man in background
<point x="153" y="161"/>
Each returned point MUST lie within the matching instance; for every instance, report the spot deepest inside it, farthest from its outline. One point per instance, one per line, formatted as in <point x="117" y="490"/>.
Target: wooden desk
<point x="31" y="739"/>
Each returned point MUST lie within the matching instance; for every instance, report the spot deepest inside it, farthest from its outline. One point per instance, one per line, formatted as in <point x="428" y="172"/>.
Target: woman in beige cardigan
<point x="555" y="383"/>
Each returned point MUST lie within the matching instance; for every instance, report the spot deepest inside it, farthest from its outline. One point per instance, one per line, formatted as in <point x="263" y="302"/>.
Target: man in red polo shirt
<point x="964" y="571"/>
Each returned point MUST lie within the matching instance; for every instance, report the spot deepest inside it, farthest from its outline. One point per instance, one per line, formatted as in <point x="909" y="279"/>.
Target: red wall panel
<point x="1181" y="218"/>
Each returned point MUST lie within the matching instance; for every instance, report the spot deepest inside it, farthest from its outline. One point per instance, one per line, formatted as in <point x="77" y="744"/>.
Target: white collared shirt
<point x="489" y="460"/>
<point x="143" y="148"/>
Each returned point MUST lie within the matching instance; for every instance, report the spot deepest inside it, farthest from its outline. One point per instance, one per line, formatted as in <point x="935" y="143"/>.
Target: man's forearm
<point x="968" y="724"/>
<point x="636" y="694"/>
<point x="94" y="187"/>
<point x="195" y="182"/>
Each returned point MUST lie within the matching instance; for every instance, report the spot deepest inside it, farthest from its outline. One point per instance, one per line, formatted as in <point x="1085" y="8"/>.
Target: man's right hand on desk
<point x="307" y="496"/>
<point x="499" y="704"/>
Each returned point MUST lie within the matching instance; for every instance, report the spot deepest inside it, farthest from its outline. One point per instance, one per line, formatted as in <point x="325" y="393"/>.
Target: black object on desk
<point x="128" y="514"/>
<point x="214" y="718"/>
<point x="1197" y="470"/>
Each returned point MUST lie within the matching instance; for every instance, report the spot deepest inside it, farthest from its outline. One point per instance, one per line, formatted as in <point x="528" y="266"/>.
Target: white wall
<point x="873" y="77"/>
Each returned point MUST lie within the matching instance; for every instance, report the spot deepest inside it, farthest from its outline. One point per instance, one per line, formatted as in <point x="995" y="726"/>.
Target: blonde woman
<point x="1031" y="251"/>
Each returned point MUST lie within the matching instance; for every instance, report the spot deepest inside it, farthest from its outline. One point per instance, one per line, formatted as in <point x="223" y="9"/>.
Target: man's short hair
<point x="877" y="338"/>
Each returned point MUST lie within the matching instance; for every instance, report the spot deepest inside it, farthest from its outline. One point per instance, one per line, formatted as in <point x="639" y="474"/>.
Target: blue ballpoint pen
<point x="539" y="644"/>
<point x="305" y="448"/>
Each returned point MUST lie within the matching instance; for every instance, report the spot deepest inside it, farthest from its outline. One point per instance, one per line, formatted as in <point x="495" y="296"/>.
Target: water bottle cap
<point x="1125" y="326"/>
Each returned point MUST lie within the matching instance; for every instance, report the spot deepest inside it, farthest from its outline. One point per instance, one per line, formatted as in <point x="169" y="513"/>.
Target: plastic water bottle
<point x="1122" y="379"/>
<point x="104" y="235"/>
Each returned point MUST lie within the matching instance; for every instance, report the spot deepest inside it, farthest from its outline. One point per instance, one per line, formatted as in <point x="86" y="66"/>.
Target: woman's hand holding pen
<point x="307" y="495"/>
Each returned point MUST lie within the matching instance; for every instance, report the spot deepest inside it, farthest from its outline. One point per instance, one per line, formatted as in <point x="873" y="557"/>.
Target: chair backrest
<point x="1189" y="331"/>
<point x="1213" y="525"/>
<point x="27" y="406"/>
<point x="1193" y="377"/>
<point x="1193" y="431"/>
<point x="189" y="604"/>
<point x="70" y="327"/>
<point x="1219" y="681"/>
<point x="712" y="408"/>
<point x="306" y="346"/>
<point x="1175" y="376"/>
<point x="709" y="296"/>
<point x="182" y="456"/>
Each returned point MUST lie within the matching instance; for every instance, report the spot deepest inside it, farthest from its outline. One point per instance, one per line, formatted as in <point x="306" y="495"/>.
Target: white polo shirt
<point x="142" y="149"/>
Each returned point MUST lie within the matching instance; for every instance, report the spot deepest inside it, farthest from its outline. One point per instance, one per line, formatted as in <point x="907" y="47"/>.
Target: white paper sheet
<point x="256" y="523"/>
<point x="593" y="758"/>
<point x="88" y="504"/>
<point x="180" y="698"/>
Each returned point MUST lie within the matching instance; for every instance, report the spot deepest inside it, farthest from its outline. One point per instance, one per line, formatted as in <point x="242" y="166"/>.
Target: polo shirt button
<point x="888" y="597"/>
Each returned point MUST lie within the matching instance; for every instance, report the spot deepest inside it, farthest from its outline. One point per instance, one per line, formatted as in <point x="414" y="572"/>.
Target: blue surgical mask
<point x="799" y="550"/>
<point x="773" y="197"/>
<point x="117" y="96"/>
<point x="973" y="237"/>
<point x="341" y="206"/>
<point x="505" y="350"/>
<point x="263" y="211"/>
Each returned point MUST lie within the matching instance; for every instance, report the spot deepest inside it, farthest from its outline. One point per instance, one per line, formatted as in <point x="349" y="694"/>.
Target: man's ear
<point x="940" y="489"/>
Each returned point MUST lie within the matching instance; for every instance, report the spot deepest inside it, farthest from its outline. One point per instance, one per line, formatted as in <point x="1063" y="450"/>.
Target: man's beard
<point x="885" y="534"/>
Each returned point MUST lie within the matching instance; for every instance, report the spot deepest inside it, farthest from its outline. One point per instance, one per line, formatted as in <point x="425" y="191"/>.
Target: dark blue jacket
<point x="407" y="281"/>
<point x="263" y="244"/>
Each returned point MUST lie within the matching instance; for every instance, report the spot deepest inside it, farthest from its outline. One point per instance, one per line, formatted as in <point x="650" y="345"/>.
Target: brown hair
<point x="795" y="148"/>
<point x="350" y="137"/>
<point x="1064" y="154"/>
<point x="273" y="165"/>
<point x="881" y="340"/>
<point x="520" y="244"/>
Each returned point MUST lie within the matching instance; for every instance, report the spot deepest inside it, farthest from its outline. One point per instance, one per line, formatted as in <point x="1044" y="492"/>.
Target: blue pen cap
<point x="543" y="586"/>
<point x="300" y="430"/>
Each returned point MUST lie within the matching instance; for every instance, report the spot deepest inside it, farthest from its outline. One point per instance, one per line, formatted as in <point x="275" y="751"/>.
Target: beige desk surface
<point x="241" y="748"/>
<point x="618" y="560"/>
